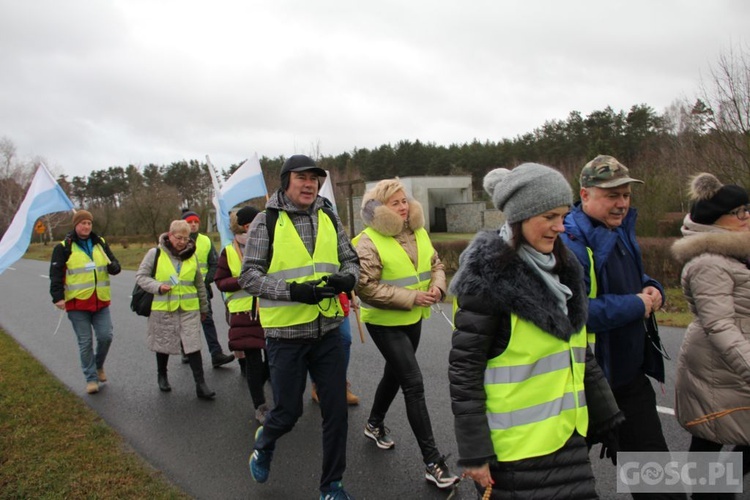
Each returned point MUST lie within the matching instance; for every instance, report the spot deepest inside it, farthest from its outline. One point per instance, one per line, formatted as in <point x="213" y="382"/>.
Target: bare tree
<point x="723" y="108"/>
<point x="15" y="176"/>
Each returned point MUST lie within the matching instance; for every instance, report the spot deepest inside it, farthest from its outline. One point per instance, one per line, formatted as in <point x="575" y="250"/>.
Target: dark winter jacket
<point x="492" y="282"/>
<point x="615" y="317"/>
<point x="245" y="331"/>
<point x="58" y="265"/>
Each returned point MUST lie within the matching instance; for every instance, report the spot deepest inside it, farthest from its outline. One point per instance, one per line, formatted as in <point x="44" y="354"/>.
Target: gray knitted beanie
<point x="528" y="190"/>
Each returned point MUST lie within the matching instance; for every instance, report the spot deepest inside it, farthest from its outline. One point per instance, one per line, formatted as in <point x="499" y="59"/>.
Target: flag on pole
<point x="326" y="190"/>
<point x="244" y="184"/>
<point x="45" y="196"/>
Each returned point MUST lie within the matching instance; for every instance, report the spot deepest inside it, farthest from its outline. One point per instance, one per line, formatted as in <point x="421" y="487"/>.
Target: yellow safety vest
<point x="291" y="262"/>
<point x="239" y="301"/>
<point x="202" y="249"/>
<point x="592" y="291"/>
<point x="184" y="294"/>
<point x="535" y="392"/>
<point x="83" y="274"/>
<point x="398" y="270"/>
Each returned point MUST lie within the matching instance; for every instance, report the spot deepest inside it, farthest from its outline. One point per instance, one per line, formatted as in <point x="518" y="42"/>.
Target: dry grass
<point x="53" y="446"/>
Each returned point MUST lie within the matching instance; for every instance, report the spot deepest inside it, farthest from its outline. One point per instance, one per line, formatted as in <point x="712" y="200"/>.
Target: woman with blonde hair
<point x="401" y="277"/>
<point x="180" y="300"/>
<point x="712" y="382"/>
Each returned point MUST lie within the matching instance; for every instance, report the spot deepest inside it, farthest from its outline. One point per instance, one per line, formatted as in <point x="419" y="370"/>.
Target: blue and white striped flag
<point x="45" y="196"/>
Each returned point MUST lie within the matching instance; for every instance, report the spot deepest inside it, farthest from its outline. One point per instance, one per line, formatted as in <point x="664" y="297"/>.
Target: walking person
<point x="711" y="385"/>
<point x="79" y="284"/>
<point x="179" y="303"/>
<point x="600" y="230"/>
<point x="245" y="331"/>
<point x="207" y="260"/>
<point x="297" y="260"/>
<point x="401" y="277"/>
<point x="525" y="388"/>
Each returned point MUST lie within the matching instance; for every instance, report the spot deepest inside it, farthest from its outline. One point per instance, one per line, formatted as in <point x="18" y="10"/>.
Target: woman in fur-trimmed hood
<point x="520" y="364"/>
<point x="401" y="277"/>
<point x="712" y="384"/>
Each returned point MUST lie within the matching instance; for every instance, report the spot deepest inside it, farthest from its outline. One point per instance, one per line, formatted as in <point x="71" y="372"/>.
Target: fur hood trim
<point x="490" y="268"/>
<point x="388" y="223"/>
<point x="729" y="244"/>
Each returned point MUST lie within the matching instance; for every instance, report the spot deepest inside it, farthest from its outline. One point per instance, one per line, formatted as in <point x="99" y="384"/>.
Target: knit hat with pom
<point x="712" y="199"/>
<point x="529" y="189"/>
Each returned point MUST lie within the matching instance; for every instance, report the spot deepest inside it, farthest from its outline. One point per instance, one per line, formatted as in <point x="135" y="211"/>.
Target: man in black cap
<point x="297" y="260"/>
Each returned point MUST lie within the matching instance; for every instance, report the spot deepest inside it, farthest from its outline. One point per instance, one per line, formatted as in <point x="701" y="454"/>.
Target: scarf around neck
<point x="542" y="264"/>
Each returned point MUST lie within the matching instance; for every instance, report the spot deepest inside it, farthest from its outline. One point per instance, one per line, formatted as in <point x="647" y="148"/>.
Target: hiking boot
<point x="337" y="492"/>
<point x="260" y="413"/>
<point x="260" y="461"/>
<point x="101" y="375"/>
<point x="379" y="434"/>
<point x="92" y="387"/>
<point x="163" y="382"/>
<point x="220" y="359"/>
<point x="351" y="398"/>
<point x="438" y="473"/>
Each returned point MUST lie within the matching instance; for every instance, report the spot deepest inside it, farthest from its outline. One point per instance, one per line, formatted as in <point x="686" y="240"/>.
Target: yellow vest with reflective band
<point x="239" y="301"/>
<point x="83" y="274"/>
<point x="398" y="270"/>
<point x="291" y="262"/>
<point x="184" y="294"/>
<point x="592" y="290"/>
<point x="202" y="249"/>
<point x="535" y="392"/>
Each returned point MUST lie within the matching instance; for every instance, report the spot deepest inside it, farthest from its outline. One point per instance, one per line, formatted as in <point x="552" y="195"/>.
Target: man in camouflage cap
<point x="623" y="297"/>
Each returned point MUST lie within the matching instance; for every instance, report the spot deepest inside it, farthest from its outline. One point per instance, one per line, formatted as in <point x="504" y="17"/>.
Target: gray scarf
<point x="542" y="264"/>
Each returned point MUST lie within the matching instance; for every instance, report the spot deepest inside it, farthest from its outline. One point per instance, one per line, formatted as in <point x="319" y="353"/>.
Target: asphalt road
<point x="203" y="446"/>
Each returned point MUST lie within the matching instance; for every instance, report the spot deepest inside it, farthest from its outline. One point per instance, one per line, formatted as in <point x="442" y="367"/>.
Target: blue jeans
<point x="101" y="323"/>
<point x="346" y="340"/>
<point x="289" y="362"/>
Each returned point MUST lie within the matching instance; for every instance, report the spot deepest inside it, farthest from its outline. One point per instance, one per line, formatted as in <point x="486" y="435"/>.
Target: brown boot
<point x="351" y="398"/>
<point x="314" y="393"/>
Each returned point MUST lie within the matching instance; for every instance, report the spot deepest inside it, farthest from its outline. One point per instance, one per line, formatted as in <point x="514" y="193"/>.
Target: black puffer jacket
<point x="492" y="282"/>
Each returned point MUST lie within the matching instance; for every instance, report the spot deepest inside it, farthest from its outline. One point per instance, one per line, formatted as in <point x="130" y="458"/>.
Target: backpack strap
<point x="156" y="261"/>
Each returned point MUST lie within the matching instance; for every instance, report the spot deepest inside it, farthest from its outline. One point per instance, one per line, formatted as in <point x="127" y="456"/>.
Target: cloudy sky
<point x="89" y="84"/>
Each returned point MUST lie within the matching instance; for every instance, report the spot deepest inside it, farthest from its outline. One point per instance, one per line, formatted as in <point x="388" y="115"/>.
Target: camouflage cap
<point x="605" y="172"/>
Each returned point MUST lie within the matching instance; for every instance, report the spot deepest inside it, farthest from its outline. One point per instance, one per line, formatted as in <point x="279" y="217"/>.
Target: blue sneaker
<point x="337" y="493"/>
<point x="260" y="462"/>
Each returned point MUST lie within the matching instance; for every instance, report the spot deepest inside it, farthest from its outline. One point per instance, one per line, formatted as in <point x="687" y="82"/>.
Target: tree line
<point x="708" y="133"/>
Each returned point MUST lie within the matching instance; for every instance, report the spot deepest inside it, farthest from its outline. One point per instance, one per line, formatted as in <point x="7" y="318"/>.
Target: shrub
<point x="449" y="251"/>
<point x="658" y="261"/>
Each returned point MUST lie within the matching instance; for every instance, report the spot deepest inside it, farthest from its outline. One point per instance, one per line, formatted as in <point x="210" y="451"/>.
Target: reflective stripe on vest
<point x="592" y="290"/>
<point x="291" y="262"/>
<point x="398" y="270"/>
<point x="239" y="301"/>
<point x="83" y="274"/>
<point x="535" y="392"/>
<point x="184" y="294"/>
<point x="202" y="249"/>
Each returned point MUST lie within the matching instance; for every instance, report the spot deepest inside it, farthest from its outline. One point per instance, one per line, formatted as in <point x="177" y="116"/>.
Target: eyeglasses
<point x="740" y="213"/>
<point x="180" y="238"/>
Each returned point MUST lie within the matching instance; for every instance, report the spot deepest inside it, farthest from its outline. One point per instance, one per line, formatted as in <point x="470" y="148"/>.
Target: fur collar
<point x="729" y="244"/>
<point x="388" y="223"/>
<point x="185" y="254"/>
<point x="490" y="268"/>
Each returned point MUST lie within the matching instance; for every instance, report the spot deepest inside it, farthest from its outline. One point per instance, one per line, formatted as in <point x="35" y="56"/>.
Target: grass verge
<point x="53" y="446"/>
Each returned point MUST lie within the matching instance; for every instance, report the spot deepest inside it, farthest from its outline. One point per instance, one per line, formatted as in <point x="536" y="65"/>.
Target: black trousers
<point x="641" y="430"/>
<point x="398" y="345"/>
<point x="256" y="373"/>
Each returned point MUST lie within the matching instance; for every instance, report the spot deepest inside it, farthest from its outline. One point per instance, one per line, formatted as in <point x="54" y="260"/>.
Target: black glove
<point x="308" y="293"/>
<point x="610" y="446"/>
<point x="341" y="282"/>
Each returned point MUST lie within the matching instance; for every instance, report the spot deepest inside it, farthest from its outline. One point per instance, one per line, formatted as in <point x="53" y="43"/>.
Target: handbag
<point x="140" y="301"/>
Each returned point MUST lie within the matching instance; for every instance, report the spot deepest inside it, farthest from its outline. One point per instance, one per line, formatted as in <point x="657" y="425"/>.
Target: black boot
<point x="185" y="359"/>
<point x="201" y="388"/>
<point x="243" y="367"/>
<point x="221" y="359"/>
<point x="164" y="383"/>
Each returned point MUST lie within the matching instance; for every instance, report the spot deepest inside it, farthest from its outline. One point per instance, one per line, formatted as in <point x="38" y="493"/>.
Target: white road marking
<point x="665" y="410"/>
<point x="44" y="276"/>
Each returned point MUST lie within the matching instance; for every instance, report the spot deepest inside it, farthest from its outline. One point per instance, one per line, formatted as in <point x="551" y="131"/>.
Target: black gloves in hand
<point x="308" y="293"/>
<point x="341" y="282"/>
<point x="610" y="446"/>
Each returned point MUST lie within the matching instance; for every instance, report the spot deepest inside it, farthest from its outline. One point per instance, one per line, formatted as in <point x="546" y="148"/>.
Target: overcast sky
<point x="89" y="84"/>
